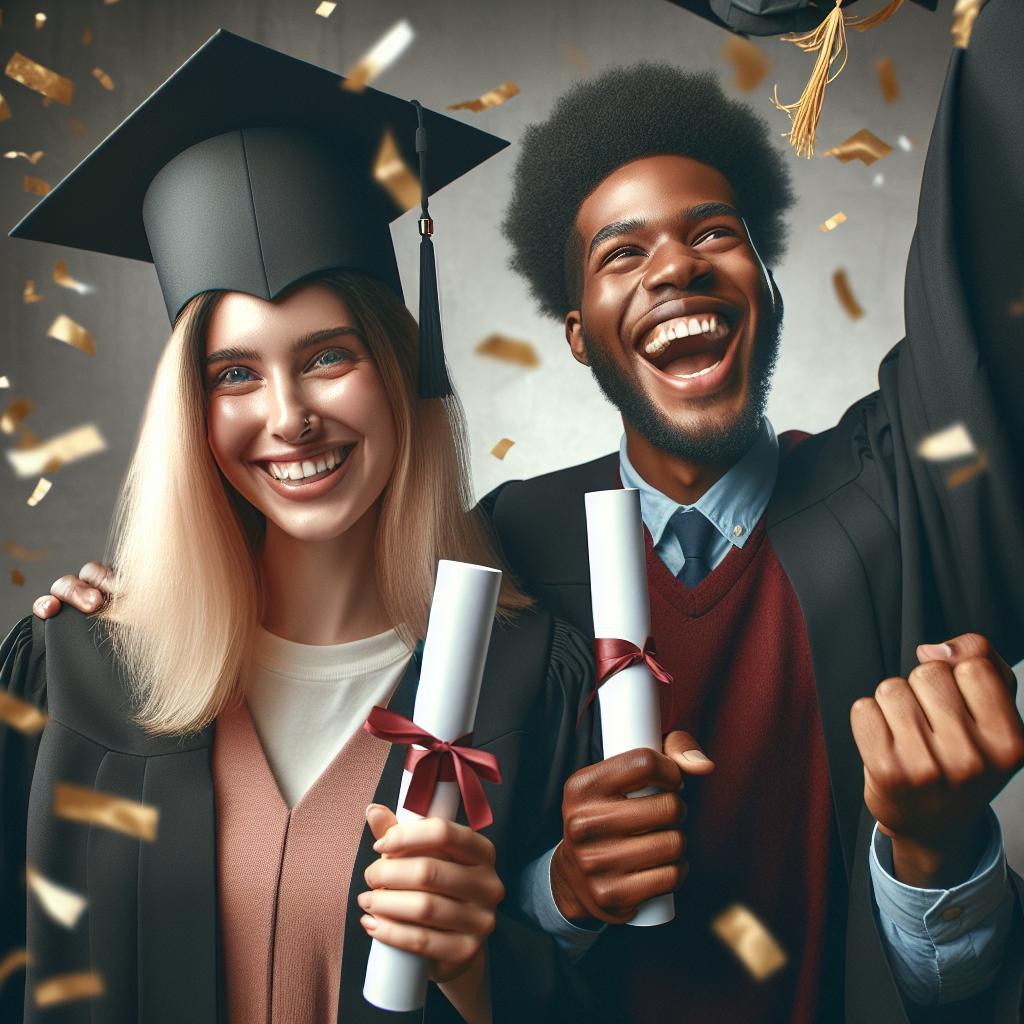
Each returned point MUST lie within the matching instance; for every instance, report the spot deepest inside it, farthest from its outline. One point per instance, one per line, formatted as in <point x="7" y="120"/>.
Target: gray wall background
<point x="462" y="48"/>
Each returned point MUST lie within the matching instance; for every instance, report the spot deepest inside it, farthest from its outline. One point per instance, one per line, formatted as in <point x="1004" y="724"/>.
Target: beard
<point x="713" y="443"/>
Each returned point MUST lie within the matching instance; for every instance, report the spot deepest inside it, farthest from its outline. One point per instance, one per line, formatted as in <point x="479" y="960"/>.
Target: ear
<point x="574" y="336"/>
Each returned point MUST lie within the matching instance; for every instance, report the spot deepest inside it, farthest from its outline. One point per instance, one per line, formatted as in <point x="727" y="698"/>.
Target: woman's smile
<point x="309" y="477"/>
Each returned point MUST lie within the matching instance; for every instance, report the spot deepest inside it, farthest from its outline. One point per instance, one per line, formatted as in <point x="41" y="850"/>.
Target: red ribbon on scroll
<point x="441" y="761"/>
<point x="615" y="655"/>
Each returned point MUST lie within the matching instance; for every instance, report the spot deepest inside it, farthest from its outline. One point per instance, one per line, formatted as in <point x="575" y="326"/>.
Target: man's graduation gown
<point x="151" y="925"/>
<point x="882" y="551"/>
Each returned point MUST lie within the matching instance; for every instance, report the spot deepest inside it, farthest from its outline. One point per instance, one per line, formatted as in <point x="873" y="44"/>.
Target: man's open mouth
<point x="688" y="346"/>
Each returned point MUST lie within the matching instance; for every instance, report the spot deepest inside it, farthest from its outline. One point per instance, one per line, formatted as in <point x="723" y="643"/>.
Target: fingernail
<point x="368" y="923"/>
<point x="379" y="845"/>
<point x="363" y="899"/>
<point x="90" y="600"/>
<point x="696" y="757"/>
<point x="936" y="651"/>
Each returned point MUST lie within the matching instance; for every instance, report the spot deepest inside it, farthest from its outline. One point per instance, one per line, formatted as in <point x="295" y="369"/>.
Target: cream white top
<point x="307" y="700"/>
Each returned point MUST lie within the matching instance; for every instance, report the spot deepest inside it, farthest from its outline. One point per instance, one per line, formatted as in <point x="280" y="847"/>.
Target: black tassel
<point x="433" y="375"/>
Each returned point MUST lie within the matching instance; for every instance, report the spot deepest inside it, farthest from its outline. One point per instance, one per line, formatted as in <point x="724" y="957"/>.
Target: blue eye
<point x="228" y="376"/>
<point x="332" y="357"/>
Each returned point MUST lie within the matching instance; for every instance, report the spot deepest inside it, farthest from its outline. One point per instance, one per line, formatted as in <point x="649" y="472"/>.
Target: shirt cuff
<point x="537" y="901"/>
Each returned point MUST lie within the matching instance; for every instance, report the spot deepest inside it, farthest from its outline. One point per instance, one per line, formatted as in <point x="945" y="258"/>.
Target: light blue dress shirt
<point x="943" y="944"/>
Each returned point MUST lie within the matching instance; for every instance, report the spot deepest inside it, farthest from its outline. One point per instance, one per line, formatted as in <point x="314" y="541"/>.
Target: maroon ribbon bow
<point x="615" y="655"/>
<point x="441" y="761"/>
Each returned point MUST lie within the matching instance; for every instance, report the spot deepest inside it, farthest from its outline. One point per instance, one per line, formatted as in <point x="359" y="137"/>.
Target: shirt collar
<point x="733" y="504"/>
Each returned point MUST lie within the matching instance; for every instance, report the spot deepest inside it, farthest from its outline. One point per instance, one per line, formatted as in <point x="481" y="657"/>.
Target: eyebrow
<point x="691" y="213"/>
<point x="299" y="345"/>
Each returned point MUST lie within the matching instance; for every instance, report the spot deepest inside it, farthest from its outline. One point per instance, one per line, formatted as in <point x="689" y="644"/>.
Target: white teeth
<point x="331" y="462"/>
<point x="308" y="467"/>
<point x="694" y="325"/>
<point x="671" y="334"/>
<point x="321" y="465"/>
<point x="656" y="346"/>
<point x="713" y="323"/>
<point x="699" y="373"/>
<point x="682" y="331"/>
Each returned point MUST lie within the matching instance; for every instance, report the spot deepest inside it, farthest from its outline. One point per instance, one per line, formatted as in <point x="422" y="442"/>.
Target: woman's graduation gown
<point x="151" y="926"/>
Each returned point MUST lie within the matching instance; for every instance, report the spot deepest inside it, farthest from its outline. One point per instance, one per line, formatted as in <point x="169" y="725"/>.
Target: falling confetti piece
<point x="26" y="441"/>
<point x="904" y="143"/>
<point x="63" y="905"/>
<point x="952" y="442"/>
<point x="87" y="36"/>
<point x="833" y="222"/>
<point x="24" y="554"/>
<point x="878" y="180"/>
<point x="845" y="295"/>
<point x="65" y="280"/>
<point x="14" y="960"/>
<point x="20" y="714"/>
<point x="964" y="13"/>
<point x="4" y="382"/>
<point x="103" y="78"/>
<point x="750" y="63"/>
<point x="379" y="57"/>
<point x="64" y="987"/>
<point x="65" y="329"/>
<point x="42" y="80"/>
<point x="754" y="946"/>
<point x="36" y="186"/>
<point x="41" y="491"/>
<point x="394" y="174"/>
<point x="76" y="803"/>
<point x="325" y="10"/>
<point x="886" y="71"/>
<point x="862" y="145"/>
<point x="32" y="158"/>
<point x="508" y="350"/>
<point x="577" y="57"/>
<point x="14" y="414"/>
<point x="492" y="98"/>
<point x="5" y="110"/>
<point x="29" y="295"/>
<point x="76" y="126"/>
<point x="40" y="20"/>
<point x="64" y="448"/>
<point x="109" y="3"/>
<point x="501" y="449"/>
<point x="16" y="578"/>
<point x="960" y="476"/>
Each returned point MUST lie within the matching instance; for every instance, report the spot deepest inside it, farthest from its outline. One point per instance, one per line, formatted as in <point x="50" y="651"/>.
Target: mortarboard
<point x="248" y="170"/>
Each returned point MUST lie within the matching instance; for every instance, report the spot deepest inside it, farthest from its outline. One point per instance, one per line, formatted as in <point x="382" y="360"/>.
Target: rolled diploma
<point x="629" y="700"/>
<point x="458" y="634"/>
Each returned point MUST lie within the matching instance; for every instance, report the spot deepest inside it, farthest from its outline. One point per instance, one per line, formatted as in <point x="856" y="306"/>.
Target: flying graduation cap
<point x="248" y="170"/>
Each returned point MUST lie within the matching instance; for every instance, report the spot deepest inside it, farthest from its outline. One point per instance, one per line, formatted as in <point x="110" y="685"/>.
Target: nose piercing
<point x="305" y="425"/>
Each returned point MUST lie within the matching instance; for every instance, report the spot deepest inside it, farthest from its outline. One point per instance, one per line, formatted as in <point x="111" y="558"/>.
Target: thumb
<point x="686" y="752"/>
<point x="380" y="819"/>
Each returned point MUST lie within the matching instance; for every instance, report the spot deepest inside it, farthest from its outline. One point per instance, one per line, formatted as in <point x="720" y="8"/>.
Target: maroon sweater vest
<point x="760" y="829"/>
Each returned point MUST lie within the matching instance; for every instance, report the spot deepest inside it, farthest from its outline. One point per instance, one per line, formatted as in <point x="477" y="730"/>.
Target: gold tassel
<point x="829" y="41"/>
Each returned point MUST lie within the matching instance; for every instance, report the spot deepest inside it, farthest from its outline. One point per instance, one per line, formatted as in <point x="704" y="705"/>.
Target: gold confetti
<point x="62" y="988"/>
<point x="26" y="441"/>
<point x="87" y="36"/>
<point x="492" y="98"/>
<point x="76" y="126"/>
<point x="862" y="145"/>
<point x="5" y="110"/>
<point x="64" y="448"/>
<point x="754" y="946"/>
<point x="508" y="350"/>
<point x="14" y="960"/>
<point x="65" y="329"/>
<point x="36" y="186"/>
<point x="32" y="158"/>
<point x="108" y="3"/>
<point x="394" y="174"/>
<point x="16" y="578"/>
<point x="964" y="13"/>
<point x="326" y="9"/>
<point x="501" y="449"/>
<point x="63" y="905"/>
<point x="952" y="442"/>
<point x="750" y="63"/>
<point x="845" y="295"/>
<point x="886" y="71"/>
<point x="960" y="476"/>
<point x="76" y="803"/>
<point x="40" y="20"/>
<point x="4" y="382"/>
<point x="103" y="78"/>
<point x="65" y="280"/>
<point x="14" y="414"/>
<point x="379" y="57"/>
<point x="833" y="222"/>
<point x="24" y="554"/>
<point x="577" y="57"/>
<point x="41" y="491"/>
<point x="29" y="293"/>
<point x="42" y="80"/>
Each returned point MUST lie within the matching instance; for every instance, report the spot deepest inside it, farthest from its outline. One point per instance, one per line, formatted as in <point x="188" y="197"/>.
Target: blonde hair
<point x="185" y="545"/>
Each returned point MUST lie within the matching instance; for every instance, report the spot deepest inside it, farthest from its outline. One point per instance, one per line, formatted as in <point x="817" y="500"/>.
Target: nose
<point x="678" y="266"/>
<point x="288" y="415"/>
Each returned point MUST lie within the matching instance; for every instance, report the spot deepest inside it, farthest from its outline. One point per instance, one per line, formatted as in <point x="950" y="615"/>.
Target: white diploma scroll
<point x="451" y="671"/>
<point x="629" y="700"/>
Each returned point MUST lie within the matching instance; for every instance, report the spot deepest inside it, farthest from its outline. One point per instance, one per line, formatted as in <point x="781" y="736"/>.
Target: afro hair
<point x="623" y="115"/>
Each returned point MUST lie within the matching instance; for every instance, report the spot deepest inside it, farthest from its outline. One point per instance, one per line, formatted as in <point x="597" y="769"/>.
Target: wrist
<point x="938" y="862"/>
<point x="566" y="900"/>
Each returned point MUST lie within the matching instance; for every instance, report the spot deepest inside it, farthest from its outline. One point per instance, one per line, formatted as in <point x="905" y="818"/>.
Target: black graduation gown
<point x="881" y="552"/>
<point x="151" y="926"/>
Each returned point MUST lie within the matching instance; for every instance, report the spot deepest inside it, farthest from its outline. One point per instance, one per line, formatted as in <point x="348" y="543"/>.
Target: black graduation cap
<point x="248" y="170"/>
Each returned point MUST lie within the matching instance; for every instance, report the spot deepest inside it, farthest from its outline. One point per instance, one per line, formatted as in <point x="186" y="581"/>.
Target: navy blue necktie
<point x="695" y="532"/>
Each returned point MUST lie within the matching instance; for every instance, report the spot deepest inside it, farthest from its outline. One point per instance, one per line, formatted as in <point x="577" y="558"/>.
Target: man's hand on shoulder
<point x="88" y="591"/>
<point x="937" y="748"/>
<point x="619" y="851"/>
